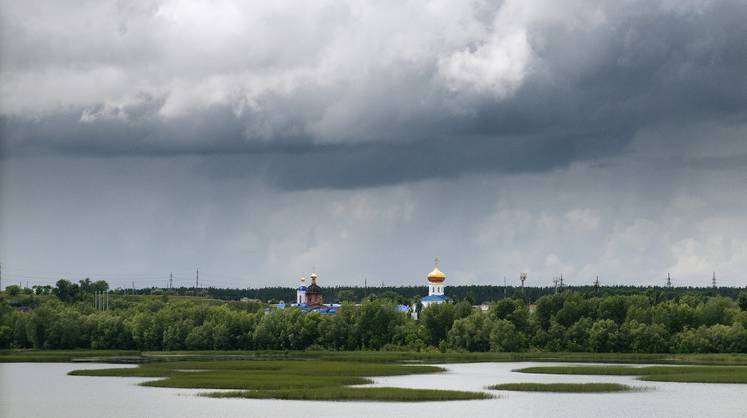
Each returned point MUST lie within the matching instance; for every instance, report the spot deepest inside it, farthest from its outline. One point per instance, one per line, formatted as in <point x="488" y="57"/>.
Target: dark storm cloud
<point x="589" y="85"/>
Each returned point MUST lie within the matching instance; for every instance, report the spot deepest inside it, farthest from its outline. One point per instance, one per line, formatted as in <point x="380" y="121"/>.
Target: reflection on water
<point x="44" y="390"/>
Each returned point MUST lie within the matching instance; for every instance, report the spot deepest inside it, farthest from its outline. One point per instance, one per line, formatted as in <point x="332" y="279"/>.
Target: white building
<point x="436" y="294"/>
<point x="301" y="293"/>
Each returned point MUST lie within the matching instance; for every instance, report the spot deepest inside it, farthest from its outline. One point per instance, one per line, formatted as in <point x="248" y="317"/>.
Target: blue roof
<point x="434" y="298"/>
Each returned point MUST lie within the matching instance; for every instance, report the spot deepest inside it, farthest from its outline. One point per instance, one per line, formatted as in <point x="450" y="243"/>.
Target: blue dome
<point x="302" y="288"/>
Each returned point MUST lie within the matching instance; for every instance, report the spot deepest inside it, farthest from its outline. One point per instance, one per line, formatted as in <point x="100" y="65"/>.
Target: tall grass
<point x="284" y="379"/>
<point x="357" y="394"/>
<point x="564" y="387"/>
<point x="685" y="374"/>
<point x="124" y="356"/>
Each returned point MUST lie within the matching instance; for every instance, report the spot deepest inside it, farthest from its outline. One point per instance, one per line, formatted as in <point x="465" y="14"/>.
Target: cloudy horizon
<point x="261" y="140"/>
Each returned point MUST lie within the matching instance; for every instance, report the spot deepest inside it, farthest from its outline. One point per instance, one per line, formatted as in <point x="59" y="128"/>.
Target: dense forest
<point x="586" y="320"/>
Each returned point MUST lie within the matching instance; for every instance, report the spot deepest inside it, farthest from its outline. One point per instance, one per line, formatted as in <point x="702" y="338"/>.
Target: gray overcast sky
<point x="260" y="139"/>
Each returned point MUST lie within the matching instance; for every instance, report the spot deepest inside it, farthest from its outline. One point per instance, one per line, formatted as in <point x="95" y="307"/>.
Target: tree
<point x="471" y="333"/>
<point x="338" y="332"/>
<point x="6" y="336"/>
<point x="716" y="310"/>
<point x="346" y="295"/>
<point x="614" y="308"/>
<point x="100" y="286"/>
<point x="376" y="323"/>
<point x="437" y="320"/>
<point x="644" y="338"/>
<point x="577" y="336"/>
<point x="604" y="336"/>
<point x="66" y="291"/>
<point x="13" y="290"/>
<point x="505" y="337"/>
<point x="42" y="290"/>
<point x="462" y="309"/>
<point x="742" y="300"/>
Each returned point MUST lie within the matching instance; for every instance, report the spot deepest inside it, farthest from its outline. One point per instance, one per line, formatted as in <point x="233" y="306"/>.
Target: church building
<point x="311" y="295"/>
<point x="436" y="294"/>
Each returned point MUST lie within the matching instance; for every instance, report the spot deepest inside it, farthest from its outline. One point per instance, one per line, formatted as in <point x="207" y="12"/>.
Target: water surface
<point x="44" y="390"/>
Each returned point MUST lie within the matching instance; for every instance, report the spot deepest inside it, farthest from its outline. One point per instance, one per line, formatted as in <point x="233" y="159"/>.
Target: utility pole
<point x="171" y="280"/>
<point x="561" y="282"/>
<point x="596" y="286"/>
<point x="714" y="280"/>
<point x="523" y="278"/>
<point x="669" y="281"/>
<point x="197" y="280"/>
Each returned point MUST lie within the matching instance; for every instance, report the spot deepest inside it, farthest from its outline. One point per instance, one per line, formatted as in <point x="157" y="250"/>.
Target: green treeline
<point x="567" y="321"/>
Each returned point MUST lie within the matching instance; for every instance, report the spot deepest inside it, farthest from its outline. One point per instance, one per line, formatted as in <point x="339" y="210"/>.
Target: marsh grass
<point x="357" y="394"/>
<point x="285" y="379"/>
<point x="684" y="374"/>
<point x="564" y="387"/>
<point x="431" y="357"/>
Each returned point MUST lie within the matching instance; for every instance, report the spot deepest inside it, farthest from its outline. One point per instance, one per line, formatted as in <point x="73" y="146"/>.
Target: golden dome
<point x="436" y="276"/>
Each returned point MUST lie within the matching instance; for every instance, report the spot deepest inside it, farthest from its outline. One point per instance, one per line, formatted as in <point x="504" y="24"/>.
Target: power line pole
<point x="669" y="281"/>
<point x="714" y="280"/>
<point x="561" y="282"/>
<point x="523" y="278"/>
<point x="197" y="280"/>
<point x="596" y="286"/>
<point x="171" y="280"/>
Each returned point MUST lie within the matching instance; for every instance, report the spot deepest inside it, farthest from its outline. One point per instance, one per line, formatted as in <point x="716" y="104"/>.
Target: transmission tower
<point x="596" y="285"/>
<point x="669" y="281"/>
<point x="713" y="281"/>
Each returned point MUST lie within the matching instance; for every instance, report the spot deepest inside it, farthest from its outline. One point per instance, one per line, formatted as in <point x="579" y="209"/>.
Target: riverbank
<point x="129" y="357"/>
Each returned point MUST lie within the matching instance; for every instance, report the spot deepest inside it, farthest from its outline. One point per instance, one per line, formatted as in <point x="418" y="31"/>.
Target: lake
<point x="44" y="390"/>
